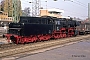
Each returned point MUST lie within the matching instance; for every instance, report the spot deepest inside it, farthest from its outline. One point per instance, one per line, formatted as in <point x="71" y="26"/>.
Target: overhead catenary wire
<point x="72" y="12"/>
<point x="81" y="3"/>
<point x="78" y="3"/>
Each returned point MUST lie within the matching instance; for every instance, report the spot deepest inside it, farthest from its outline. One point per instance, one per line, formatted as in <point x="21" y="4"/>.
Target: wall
<point x="46" y="13"/>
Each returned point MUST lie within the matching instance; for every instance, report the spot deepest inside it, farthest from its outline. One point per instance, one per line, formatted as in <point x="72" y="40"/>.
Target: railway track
<point x="11" y="45"/>
<point x="7" y="46"/>
<point x="10" y="49"/>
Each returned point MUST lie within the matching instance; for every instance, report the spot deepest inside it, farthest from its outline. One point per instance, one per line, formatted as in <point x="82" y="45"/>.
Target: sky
<point x="77" y="8"/>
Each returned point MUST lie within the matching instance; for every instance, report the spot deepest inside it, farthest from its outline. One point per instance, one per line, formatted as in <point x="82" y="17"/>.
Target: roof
<point x="65" y="17"/>
<point x="54" y="10"/>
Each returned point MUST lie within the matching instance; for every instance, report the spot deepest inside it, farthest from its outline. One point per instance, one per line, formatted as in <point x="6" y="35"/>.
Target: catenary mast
<point x="35" y="7"/>
<point x="89" y="11"/>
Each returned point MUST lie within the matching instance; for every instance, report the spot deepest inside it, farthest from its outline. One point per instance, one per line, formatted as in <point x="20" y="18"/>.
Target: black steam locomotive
<point x="32" y="29"/>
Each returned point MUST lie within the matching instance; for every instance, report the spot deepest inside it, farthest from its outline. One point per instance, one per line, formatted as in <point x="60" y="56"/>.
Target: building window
<point x="10" y="18"/>
<point x="6" y="14"/>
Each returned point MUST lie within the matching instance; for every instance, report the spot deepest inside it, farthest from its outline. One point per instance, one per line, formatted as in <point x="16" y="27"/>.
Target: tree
<point x="26" y="12"/>
<point x="2" y="5"/>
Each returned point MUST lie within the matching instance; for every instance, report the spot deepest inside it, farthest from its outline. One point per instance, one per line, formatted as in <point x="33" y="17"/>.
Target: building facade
<point x="4" y="19"/>
<point x="51" y="12"/>
<point x="7" y="7"/>
<point x="13" y="8"/>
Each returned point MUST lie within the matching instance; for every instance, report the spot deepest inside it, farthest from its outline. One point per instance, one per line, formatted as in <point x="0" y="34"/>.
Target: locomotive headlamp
<point x="18" y="30"/>
<point x="5" y="27"/>
<point x="82" y="29"/>
<point x="23" y="23"/>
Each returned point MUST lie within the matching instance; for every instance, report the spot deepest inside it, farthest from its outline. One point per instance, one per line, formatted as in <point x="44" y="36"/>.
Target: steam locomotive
<point x="33" y="29"/>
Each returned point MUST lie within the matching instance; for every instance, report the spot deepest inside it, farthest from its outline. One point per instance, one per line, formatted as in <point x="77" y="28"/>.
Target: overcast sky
<point x="77" y="8"/>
